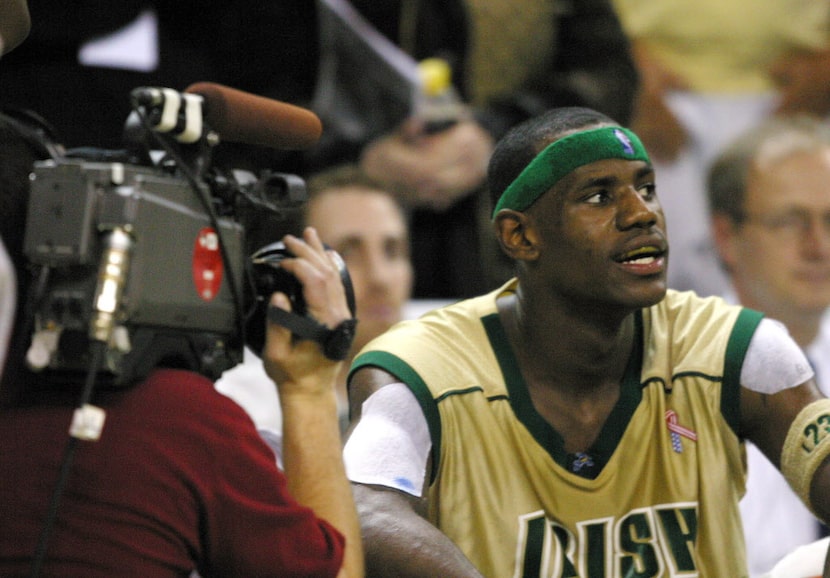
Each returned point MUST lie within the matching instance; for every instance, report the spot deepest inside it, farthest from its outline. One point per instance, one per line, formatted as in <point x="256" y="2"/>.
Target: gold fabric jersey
<point x="657" y="495"/>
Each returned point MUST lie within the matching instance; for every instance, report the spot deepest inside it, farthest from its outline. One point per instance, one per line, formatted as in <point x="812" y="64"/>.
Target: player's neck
<point x="563" y="350"/>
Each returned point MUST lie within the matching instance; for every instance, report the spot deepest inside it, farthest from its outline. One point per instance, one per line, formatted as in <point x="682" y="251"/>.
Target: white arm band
<point x="390" y="444"/>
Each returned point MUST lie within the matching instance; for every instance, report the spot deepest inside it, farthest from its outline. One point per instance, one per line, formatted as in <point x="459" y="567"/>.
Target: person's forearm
<point x="417" y="553"/>
<point x="312" y="457"/>
<point x="14" y="23"/>
<point x="819" y="494"/>
<point x="398" y="542"/>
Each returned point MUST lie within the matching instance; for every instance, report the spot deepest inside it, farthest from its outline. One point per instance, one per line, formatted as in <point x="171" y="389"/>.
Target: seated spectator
<point x="770" y="211"/>
<point x="365" y="224"/>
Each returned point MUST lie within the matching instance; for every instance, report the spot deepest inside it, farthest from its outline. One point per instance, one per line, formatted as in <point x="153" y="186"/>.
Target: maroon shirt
<point x="179" y="480"/>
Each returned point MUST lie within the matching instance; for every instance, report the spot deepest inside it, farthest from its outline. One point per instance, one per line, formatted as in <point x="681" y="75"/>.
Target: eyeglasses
<point x="792" y="224"/>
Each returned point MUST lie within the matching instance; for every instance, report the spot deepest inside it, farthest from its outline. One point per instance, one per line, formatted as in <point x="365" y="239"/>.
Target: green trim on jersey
<point x="519" y="398"/>
<point x="542" y="431"/>
<point x="742" y="333"/>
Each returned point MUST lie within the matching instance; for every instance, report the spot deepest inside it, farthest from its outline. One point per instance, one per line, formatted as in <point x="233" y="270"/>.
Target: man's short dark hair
<point x="342" y="176"/>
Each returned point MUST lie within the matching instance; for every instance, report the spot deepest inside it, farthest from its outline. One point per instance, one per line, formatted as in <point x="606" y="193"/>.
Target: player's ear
<point x="516" y="235"/>
<point x="724" y="234"/>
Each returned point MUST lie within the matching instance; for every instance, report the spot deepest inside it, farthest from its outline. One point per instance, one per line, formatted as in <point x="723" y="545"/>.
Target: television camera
<point x="153" y="252"/>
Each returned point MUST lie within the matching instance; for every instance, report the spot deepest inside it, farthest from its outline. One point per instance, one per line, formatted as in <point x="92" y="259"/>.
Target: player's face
<point x="368" y="230"/>
<point x="602" y="235"/>
<point x="780" y="254"/>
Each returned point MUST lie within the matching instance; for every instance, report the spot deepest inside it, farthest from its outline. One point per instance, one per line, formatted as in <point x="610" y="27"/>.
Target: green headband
<point x="566" y="154"/>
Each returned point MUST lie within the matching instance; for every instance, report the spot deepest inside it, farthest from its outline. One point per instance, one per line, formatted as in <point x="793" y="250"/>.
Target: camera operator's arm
<point x="306" y="382"/>
<point x="14" y="23"/>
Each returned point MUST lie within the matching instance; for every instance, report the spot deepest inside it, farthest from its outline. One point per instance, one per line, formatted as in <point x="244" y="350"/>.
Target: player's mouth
<point x="648" y="259"/>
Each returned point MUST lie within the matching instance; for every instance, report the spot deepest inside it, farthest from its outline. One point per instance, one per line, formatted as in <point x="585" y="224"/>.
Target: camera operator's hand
<point x="297" y="363"/>
<point x="306" y="380"/>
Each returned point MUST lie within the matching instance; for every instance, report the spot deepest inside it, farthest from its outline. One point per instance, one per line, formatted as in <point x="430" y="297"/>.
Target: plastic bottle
<point x="440" y="106"/>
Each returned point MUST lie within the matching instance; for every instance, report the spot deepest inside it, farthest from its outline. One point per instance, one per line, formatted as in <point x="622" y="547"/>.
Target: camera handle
<point x="334" y="342"/>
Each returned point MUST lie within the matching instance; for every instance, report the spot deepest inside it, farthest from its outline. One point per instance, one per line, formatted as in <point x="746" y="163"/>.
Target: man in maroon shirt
<point x="179" y="481"/>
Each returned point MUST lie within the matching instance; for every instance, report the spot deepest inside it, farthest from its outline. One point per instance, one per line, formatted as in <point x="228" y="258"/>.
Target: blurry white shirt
<point x="249" y="386"/>
<point x="804" y="562"/>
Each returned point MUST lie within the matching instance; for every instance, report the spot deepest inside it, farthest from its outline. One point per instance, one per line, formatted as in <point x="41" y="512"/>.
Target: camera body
<point x="154" y="264"/>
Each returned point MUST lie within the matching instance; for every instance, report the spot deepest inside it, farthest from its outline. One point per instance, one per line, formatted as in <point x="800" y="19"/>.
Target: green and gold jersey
<point x="657" y="494"/>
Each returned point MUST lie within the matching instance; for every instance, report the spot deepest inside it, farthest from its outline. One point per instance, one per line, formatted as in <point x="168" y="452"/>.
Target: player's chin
<point x="646" y="292"/>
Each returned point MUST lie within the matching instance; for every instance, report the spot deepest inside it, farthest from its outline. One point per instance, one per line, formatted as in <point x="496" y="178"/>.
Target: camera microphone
<point x="243" y="117"/>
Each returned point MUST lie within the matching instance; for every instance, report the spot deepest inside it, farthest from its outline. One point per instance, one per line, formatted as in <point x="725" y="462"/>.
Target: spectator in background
<point x="510" y="61"/>
<point x="14" y="23"/>
<point x="769" y="193"/>
<point x="357" y="217"/>
<point x="178" y="480"/>
<point x="709" y="71"/>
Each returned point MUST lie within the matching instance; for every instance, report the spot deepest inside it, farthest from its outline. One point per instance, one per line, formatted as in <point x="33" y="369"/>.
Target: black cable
<point x="98" y="350"/>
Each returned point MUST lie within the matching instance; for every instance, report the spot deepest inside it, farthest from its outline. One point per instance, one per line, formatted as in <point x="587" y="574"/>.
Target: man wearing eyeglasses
<point x="769" y="197"/>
